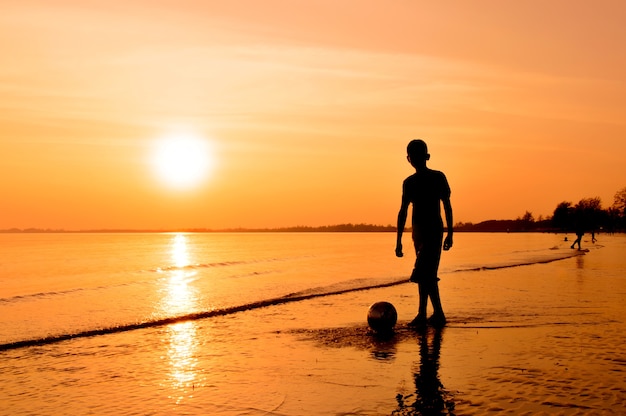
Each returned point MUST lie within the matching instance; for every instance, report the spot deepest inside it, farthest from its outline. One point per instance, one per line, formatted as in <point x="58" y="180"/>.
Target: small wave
<point x="40" y="295"/>
<point x="293" y="297"/>
<point x="189" y="267"/>
<point x="217" y="264"/>
<point x="336" y="289"/>
<point x="199" y="266"/>
<point x="541" y="257"/>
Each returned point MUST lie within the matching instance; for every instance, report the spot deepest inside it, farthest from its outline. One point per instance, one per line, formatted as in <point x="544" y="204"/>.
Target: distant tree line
<point x="338" y="228"/>
<point x="347" y="228"/>
<point x="587" y="214"/>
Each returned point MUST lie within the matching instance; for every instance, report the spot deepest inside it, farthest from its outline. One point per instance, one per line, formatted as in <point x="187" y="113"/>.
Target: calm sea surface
<point x="191" y="323"/>
<point x="56" y="285"/>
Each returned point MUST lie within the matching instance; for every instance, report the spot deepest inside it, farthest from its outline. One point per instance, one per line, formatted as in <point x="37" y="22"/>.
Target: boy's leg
<point x="425" y="275"/>
<point x="420" y="320"/>
<point x="438" y="318"/>
<point x="436" y="300"/>
<point x="423" y="294"/>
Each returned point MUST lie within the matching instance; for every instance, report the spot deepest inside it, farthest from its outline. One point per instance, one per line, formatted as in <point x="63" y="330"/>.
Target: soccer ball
<point x="382" y="317"/>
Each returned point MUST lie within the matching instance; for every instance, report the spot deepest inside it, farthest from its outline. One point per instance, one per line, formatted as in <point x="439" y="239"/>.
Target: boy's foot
<point x="437" y="321"/>
<point x="418" y="322"/>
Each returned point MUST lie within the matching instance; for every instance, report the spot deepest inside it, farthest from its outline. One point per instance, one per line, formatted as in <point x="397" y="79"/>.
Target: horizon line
<point x="345" y="227"/>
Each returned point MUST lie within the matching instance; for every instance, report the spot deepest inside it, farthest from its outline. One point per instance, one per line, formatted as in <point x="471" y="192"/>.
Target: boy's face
<point x="417" y="159"/>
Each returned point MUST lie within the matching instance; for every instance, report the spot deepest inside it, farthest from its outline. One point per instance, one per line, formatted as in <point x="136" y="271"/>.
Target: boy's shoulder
<point x="425" y="173"/>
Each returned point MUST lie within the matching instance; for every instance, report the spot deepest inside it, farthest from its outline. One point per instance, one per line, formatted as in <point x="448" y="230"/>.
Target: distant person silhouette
<point x="426" y="189"/>
<point x="579" y="235"/>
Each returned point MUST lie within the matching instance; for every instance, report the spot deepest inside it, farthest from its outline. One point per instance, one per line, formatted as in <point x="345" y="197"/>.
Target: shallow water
<point x="539" y="338"/>
<point x="60" y="285"/>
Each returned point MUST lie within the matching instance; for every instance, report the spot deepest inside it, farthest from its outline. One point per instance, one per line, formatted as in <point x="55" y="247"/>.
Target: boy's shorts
<point x="428" y="255"/>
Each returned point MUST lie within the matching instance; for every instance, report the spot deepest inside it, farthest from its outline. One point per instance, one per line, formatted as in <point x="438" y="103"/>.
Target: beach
<point x="202" y="200"/>
<point x="544" y="338"/>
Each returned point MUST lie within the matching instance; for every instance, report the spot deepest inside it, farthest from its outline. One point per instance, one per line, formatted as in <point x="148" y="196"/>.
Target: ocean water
<point x="55" y="286"/>
<point x="142" y="323"/>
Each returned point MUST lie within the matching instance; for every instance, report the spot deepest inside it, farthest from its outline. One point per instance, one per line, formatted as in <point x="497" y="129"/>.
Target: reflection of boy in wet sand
<point x="425" y="189"/>
<point x="430" y="396"/>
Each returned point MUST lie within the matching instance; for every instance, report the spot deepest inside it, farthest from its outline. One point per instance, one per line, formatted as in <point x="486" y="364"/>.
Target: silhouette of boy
<point x="426" y="189"/>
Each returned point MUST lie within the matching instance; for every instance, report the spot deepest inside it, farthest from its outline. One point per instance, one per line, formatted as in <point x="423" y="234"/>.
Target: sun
<point x="182" y="161"/>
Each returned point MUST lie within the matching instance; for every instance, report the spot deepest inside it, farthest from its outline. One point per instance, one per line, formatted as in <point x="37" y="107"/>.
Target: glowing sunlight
<point x="182" y="356"/>
<point x="182" y="161"/>
<point x="180" y="256"/>
<point x="179" y="298"/>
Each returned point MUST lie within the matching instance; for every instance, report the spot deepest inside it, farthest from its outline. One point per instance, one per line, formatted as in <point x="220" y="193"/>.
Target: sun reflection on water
<point x="181" y="355"/>
<point x="180" y="298"/>
<point x="180" y="255"/>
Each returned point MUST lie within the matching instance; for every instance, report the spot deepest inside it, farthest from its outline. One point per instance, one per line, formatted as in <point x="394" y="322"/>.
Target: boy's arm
<point x="404" y="209"/>
<point x="447" y="207"/>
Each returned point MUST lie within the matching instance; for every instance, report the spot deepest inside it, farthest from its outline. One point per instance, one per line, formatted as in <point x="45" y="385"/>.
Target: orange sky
<point x="308" y="107"/>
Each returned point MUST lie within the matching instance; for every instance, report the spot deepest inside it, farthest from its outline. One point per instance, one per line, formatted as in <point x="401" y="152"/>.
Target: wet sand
<point x="542" y="339"/>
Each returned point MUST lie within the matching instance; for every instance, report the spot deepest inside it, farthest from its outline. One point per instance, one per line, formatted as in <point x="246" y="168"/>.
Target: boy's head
<point x="417" y="152"/>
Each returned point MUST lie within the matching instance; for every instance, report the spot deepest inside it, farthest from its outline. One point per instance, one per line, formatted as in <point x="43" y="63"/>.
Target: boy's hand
<point x="399" y="250"/>
<point x="447" y="244"/>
